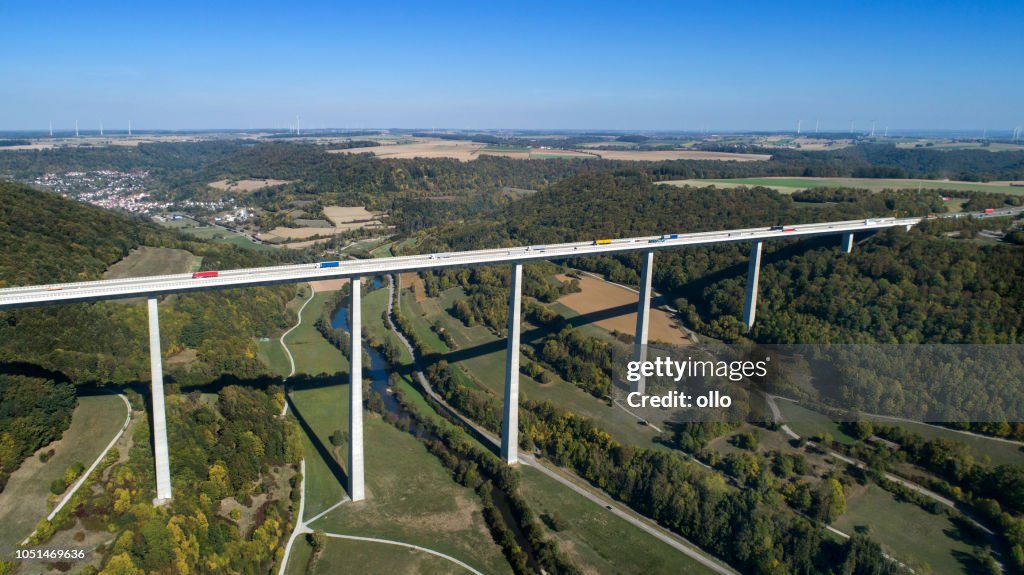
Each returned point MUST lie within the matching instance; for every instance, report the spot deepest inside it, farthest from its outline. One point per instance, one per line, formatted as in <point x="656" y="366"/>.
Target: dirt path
<point x="22" y="503"/>
<point x="81" y="480"/>
<point x="291" y="360"/>
<point x="407" y="546"/>
<point x="777" y="415"/>
<point x="300" y="526"/>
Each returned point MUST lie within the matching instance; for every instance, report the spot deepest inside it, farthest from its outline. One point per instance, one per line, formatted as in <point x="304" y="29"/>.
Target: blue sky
<point x="574" y="65"/>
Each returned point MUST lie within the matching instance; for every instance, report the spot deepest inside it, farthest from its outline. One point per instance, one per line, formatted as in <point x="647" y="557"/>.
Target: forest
<point x="746" y="527"/>
<point x="225" y="454"/>
<point x="104" y="342"/>
<point x="421" y="192"/>
<point x="917" y="287"/>
<point x="901" y="287"/>
<point x="33" y="413"/>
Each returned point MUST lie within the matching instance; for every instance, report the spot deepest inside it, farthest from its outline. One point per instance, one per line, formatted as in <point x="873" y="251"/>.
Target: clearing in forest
<point x="147" y="261"/>
<point x="245" y="185"/>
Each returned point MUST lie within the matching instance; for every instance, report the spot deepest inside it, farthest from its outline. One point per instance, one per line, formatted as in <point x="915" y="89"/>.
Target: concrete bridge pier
<point x="643" y="318"/>
<point x="848" y="242"/>
<point x="753" y="274"/>
<point x="356" y="489"/>
<point x="510" y="421"/>
<point x="160" y="451"/>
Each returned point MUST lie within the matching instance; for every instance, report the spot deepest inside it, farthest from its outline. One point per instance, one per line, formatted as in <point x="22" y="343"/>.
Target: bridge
<point x="151" y="287"/>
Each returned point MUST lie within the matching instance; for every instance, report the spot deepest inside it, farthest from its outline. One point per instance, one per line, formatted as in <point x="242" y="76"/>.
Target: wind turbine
<point x="851" y="127"/>
<point x="816" y="122"/>
<point x="76" y="128"/>
<point x="101" y="127"/>
<point x="51" y="128"/>
<point x="129" y="127"/>
<point x="798" y="122"/>
<point x="297" y="125"/>
<point x="872" y="128"/>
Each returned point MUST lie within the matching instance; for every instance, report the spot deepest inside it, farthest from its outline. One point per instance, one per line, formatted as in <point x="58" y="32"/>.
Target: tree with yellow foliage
<point x="121" y="564"/>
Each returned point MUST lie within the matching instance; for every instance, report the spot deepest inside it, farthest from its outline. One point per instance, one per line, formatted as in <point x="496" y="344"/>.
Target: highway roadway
<point x="42" y="295"/>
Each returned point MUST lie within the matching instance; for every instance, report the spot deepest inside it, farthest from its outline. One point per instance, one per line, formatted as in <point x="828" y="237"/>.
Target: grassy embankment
<point x="598" y="540"/>
<point x="149" y="261"/>
<point x="433" y="511"/>
<point x="908" y="532"/>
<point x="23" y="501"/>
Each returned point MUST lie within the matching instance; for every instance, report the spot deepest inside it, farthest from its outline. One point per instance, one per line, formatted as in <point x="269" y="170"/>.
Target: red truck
<point x="204" y="275"/>
<point x="989" y="210"/>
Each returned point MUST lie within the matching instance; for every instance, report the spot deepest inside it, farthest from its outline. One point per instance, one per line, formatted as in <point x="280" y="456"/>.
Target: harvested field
<point x="279" y="234"/>
<point x="245" y="185"/>
<point x="413" y="280"/>
<point x="351" y="214"/>
<point x="538" y="154"/>
<point x="343" y="218"/>
<point x="463" y="151"/>
<point x="466" y="151"/>
<point x="598" y="296"/>
<point x="656" y="156"/>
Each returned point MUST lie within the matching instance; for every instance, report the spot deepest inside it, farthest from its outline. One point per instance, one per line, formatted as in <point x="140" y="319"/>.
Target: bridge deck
<point x="31" y="296"/>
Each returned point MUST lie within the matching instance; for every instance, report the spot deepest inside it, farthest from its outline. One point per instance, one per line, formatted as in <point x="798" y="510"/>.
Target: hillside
<point x="46" y="239"/>
<point x="806" y="279"/>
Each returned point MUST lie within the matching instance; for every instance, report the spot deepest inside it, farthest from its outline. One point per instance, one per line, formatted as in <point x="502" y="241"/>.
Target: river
<point x="378" y="368"/>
